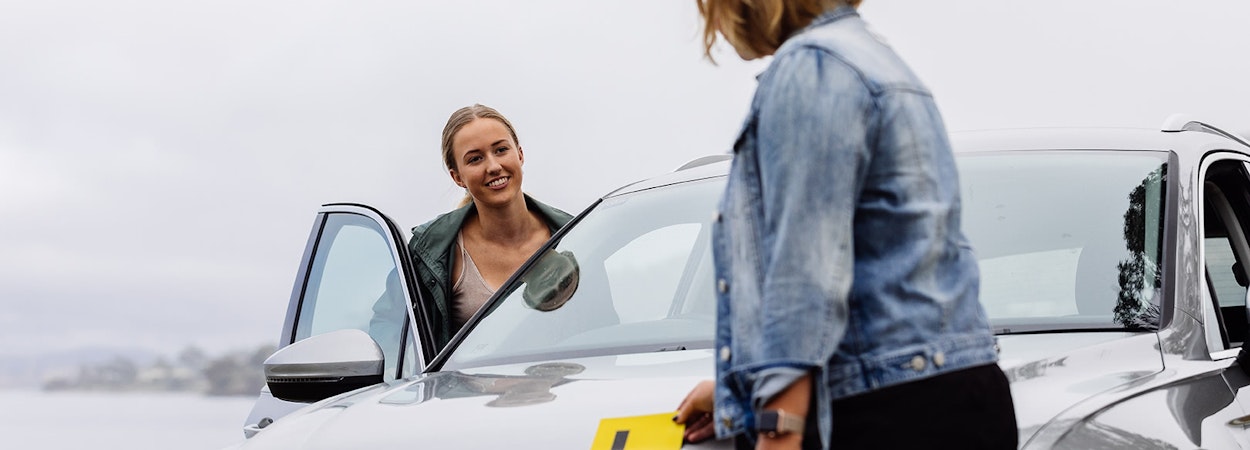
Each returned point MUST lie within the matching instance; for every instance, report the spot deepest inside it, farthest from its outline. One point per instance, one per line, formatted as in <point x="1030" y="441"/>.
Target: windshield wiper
<point x="1001" y="331"/>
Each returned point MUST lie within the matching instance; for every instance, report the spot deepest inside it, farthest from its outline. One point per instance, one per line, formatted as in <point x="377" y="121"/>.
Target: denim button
<point x="722" y="285"/>
<point x="939" y="359"/>
<point x="724" y="353"/>
<point x="917" y="363"/>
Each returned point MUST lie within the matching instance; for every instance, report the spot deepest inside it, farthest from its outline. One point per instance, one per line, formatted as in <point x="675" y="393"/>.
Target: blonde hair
<point x="457" y="121"/>
<point x="758" y="25"/>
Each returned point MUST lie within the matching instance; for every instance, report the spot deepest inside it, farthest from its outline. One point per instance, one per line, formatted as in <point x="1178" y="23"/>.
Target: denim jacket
<point x="838" y="247"/>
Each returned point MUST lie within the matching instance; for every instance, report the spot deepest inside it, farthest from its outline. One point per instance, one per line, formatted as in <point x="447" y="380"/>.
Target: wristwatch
<point x="775" y="422"/>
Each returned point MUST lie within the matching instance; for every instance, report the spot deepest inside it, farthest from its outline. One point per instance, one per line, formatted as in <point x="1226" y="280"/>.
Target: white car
<point x="1113" y="262"/>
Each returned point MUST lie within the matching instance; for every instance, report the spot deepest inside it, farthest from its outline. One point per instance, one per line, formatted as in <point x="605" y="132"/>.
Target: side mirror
<point x="324" y="365"/>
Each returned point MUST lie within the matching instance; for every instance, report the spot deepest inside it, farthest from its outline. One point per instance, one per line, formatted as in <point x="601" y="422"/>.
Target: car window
<point x="1221" y="265"/>
<point x="353" y="275"/>
<point x="1066" y="240"/>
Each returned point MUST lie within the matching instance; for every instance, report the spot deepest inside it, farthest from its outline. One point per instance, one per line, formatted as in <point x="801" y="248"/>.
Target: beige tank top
<point x="470" y="291"/>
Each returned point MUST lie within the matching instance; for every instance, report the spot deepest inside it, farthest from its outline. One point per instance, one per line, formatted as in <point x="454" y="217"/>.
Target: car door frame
<point x="1215" y="347"/>
<point x="1237" y="380"/>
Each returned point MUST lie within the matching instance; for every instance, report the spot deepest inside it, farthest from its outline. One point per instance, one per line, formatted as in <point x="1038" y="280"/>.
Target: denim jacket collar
<point x="828" y="16"/>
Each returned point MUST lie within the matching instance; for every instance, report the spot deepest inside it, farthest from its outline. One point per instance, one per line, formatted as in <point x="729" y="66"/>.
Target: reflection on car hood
<point x="1022" y="349"/>
<point x="1050" y="373"/>
<point x="559" y="404"/>
<point x="544" y="405"/>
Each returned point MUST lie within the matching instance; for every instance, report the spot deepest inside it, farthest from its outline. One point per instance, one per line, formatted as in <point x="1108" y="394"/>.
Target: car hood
<point x="545" y="405"/>
<point x="561" y="404"/>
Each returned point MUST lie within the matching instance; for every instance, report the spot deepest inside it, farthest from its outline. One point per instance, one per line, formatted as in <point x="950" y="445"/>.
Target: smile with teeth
<point x="498" y="182"/>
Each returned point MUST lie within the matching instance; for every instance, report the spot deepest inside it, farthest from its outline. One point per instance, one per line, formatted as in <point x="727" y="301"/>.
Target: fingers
<point x="700" y="428"/>
<point x="695" y="412"/>
<point x="698" y="400"/>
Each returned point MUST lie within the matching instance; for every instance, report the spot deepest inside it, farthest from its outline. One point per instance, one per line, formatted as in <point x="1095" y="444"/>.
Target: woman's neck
<point x="511" y="223"/>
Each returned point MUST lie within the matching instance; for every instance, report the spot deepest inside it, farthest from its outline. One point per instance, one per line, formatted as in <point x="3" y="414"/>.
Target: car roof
<point x="699" y="169"/>
<point x="1026" y="139"/>
<point x="1004" y="140"/>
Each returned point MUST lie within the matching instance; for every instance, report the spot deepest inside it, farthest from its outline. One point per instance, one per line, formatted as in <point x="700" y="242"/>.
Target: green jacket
<point x="431" y="249"/>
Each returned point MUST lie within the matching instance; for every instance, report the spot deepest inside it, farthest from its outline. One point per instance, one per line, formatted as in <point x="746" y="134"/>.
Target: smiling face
<point x="488" y="162"/>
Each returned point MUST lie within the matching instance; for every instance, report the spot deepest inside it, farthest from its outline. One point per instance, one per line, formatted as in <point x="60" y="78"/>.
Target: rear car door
<point x="354" y="274"/>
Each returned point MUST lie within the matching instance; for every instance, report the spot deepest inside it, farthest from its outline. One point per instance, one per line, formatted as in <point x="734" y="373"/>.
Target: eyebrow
<point x="493" y="144"/>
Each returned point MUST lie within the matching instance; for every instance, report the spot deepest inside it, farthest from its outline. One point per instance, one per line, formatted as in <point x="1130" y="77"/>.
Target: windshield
<point x="1065" y="240"/>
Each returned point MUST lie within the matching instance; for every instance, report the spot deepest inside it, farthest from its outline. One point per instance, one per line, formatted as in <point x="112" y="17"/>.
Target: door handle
<point x="1242" y="421"/>
<point x="251" y="430"/>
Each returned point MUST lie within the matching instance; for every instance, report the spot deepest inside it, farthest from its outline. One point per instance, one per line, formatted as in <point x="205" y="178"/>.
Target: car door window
<point x="354" y="283"/>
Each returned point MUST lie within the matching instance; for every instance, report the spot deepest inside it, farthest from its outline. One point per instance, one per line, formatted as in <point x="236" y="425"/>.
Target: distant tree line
<point x="235" y="373"/>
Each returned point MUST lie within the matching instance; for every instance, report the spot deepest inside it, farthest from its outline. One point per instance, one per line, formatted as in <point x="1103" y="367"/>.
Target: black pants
<point x="966" y="409"/>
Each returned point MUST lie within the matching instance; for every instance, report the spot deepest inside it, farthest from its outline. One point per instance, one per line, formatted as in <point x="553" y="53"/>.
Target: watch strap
<point x="776" y="422"/>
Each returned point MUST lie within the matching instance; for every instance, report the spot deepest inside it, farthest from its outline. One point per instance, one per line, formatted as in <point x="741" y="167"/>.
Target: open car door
<point x="355" y="274"/>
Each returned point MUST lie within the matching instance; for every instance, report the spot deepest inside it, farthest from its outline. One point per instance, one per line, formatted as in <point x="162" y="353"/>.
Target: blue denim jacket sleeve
<point x="772" y="381"/>
<point x="813" y="142"/>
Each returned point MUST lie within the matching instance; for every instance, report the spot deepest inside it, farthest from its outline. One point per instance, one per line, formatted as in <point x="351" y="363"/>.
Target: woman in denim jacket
<point x="847" y="293"/>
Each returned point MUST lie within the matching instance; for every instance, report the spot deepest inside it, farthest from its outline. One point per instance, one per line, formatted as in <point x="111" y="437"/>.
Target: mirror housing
<point x="324" y="365"/>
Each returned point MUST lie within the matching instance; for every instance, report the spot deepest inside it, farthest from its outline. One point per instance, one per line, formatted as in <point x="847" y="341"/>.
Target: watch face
<point x="767" y="421"/>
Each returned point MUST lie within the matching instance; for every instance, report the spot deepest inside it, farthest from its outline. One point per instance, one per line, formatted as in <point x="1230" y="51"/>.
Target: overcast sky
<point x="161" y="161"/>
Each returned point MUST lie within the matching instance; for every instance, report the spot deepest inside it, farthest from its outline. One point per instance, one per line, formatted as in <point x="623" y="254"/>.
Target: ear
<point x="520" y="154"/>
<point x="455" y="176"/>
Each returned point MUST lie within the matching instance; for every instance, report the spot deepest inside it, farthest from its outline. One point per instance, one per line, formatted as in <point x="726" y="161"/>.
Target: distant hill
<point x="30" y="371"/>
<point x="137" y="370"/>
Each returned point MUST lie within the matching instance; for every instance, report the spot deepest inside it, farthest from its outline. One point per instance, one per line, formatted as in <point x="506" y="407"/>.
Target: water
<point x="104" y="420"/>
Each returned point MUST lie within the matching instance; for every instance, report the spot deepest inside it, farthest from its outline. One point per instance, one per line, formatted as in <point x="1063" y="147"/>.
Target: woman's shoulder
<point x="555" y="216"/>
<point x="846" y="47"/>
<point x="439" y="231"/>
<point x="420" y="229"/>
